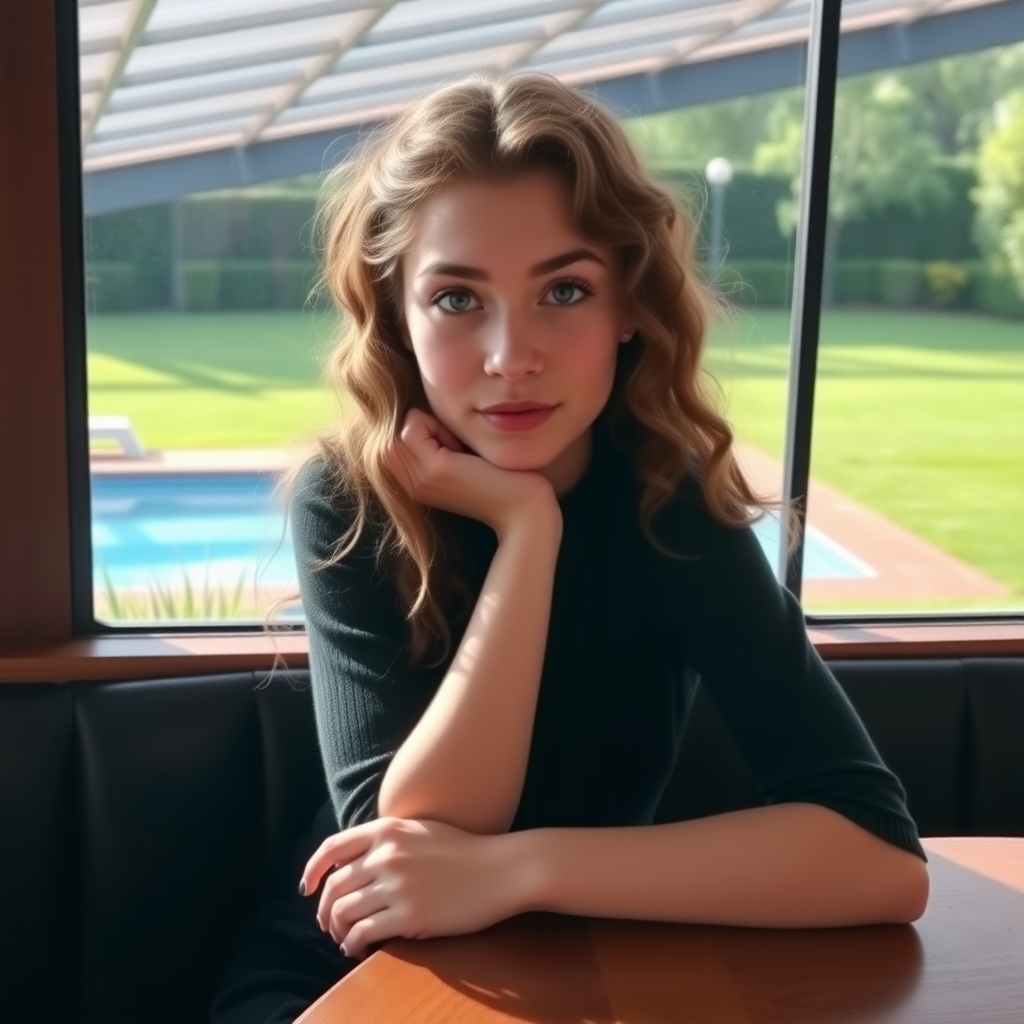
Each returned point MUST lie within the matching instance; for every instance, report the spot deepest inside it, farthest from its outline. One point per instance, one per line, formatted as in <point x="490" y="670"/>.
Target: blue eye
<point x="569" y="293"/>
<point x="455" y="300"/>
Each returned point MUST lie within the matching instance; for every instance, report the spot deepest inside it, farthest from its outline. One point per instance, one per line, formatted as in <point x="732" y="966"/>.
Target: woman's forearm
<point x="788" y="865"/>
<point x="465" y="760"/>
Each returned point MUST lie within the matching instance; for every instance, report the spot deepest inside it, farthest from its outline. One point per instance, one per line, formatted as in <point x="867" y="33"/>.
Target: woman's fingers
<point x="368" y="931"/>
<point x="448" y="439"/>
<point x="348" y="911"/>
<point x="347" y="879"/>
<point x="335" y="851"/>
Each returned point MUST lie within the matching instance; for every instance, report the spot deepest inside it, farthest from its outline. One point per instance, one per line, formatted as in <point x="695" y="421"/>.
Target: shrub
<point x="246" y="284"/>
<point x="899" y="282"/>
<point x="856" y="281"/>
<point x="200" y="283"/>
<point x="946" y="282"/>
<point x="757" y="282"/>
<point x="996" y="294"/>
<point x="293" y="283"/>
<point x="110" y="287"/>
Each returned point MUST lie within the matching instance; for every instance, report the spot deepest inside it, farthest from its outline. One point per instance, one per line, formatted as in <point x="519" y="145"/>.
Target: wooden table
<point x="962" y="963"/>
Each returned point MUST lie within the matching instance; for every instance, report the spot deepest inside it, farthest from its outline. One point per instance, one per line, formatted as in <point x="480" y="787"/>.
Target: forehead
<point x="517" y="220"/>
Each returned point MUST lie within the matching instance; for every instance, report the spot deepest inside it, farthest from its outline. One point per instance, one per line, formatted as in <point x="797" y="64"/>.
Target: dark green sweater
<point x="632" y="632"/>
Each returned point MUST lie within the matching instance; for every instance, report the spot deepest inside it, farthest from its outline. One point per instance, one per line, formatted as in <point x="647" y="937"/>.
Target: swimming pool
<point x="216" y="529"/>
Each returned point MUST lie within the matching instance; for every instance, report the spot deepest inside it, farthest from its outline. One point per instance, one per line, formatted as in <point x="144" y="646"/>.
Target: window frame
<point x="47" y="629"/>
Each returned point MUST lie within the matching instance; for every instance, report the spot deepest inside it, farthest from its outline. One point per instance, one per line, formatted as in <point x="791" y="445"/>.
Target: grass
<point x="218" y="380"/>
<point x="917" y="415"/>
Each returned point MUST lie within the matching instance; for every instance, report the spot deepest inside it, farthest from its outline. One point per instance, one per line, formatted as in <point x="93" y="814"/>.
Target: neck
<point x="566" y="471"/>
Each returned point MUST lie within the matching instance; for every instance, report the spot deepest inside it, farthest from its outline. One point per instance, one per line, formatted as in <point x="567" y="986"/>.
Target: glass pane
<point x="719" y="156"/>
<point x="205" y="353"/>
<point x="918" y="455"/>
<point x="204" y="349"/>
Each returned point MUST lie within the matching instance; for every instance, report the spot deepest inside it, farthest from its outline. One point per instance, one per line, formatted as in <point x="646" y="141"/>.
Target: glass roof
<point x="166" y="78"/>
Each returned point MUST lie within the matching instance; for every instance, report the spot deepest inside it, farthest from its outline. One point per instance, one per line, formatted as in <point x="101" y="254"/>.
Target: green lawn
<point x="918" y="415"/>
<point x="219" y="380"/>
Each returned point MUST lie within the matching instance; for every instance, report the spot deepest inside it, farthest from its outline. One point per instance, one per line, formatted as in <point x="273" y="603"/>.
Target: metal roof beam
<point x="140" y="16"/>
<point x="316" y="68"/>
<point x="677" y="54"/>
<point x="862" y="51"/>
<point x="558" y="25"/>
<point x="285" y="15"/>
<point x="190" y="89"/>
<point x="467" y="18"/>
<point x="293" y="51"/>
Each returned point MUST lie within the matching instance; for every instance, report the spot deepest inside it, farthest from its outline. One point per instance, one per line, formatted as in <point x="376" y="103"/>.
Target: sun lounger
<point x="119" y="430"/>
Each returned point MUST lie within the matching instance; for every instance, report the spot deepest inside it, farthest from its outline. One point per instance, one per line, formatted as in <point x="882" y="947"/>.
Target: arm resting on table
<point x="786" y="865"/>
<point x="465" y="760"/>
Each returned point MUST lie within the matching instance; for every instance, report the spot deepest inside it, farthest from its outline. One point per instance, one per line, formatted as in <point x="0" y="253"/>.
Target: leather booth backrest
<point x="142" y="823"/>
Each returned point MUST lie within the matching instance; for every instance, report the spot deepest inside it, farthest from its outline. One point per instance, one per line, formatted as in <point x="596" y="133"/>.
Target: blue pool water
<point x="218" y="529"/>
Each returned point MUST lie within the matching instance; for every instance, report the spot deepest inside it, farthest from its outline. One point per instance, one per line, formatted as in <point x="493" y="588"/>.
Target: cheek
<point x="586" y="345"/>
<point x="444" y="362"/>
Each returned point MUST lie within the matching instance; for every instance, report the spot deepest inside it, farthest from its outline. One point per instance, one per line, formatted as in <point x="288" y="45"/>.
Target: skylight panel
<point x="205" y="108"/>
<point x="437" y="68"/>
<point x="179" y="90"/>
<point x="625" y="12"/>
<point x="93" y="69"/>
<point x="411" y="19"/>
<point x="200" y="132"/>
<point x="666" y="30"/>
<point x="459" y="41"/>
<point x="254" y="45"/>
<point x="104" y="26"/>
<point x="173" y="19"/>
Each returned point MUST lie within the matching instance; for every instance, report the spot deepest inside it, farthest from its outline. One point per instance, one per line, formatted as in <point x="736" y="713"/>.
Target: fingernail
<point x="302" y="887"/>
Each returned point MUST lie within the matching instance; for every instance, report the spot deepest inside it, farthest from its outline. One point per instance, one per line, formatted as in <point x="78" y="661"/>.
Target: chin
<point x="506" y="457"/>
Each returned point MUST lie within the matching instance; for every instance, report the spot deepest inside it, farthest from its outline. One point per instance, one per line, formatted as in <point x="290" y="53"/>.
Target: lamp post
<point x="718" y="174"/>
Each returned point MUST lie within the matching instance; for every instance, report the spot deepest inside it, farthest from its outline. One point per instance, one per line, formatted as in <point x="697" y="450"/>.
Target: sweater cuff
<point x="896" y="829"/>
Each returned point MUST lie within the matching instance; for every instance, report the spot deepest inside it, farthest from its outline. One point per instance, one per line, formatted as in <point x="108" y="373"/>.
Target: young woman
<point x="524" y="544"/>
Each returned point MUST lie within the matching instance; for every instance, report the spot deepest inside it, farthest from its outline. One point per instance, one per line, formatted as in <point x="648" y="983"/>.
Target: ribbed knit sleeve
<point x="365" y="696"/>
<point x="746" y="636"/>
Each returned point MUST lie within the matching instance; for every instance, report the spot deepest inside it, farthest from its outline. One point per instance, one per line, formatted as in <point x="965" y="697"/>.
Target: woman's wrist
<point x="520" y="869"/>
<point x="539" y="519"/>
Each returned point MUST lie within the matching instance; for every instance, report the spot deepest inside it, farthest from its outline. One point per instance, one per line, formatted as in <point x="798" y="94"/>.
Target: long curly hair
<point x="662" y="409"/>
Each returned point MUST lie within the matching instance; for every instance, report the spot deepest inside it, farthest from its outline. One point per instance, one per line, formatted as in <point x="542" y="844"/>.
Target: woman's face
<point x="505" y="302"/>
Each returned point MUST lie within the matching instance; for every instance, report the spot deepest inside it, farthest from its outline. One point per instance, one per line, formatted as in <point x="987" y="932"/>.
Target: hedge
<point x="900" y="282"/>
<point x="996" y="294"/>
<point x="856" y="281"/>
<point x="200" y="285"/>
<point x="111" y="288"/>
<point x="275" y="228"/>
<point x="897" y="283"/>
<point x="757" y="282"/>
<point x="207" y="286"/>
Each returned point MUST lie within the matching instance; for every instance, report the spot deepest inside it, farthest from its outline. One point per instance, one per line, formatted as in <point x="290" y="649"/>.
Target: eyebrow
<point x="544" y="267"/>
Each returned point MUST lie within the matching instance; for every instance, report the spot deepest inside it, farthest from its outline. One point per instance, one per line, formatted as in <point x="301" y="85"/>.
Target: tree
<point x="1000" y="192"/>
<point x="884" y="153"/>
<point x="692" y="136"/>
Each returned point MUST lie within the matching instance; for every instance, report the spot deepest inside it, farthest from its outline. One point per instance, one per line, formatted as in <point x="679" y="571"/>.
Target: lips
<point x="517" y="416"/>
<point x="514" y="407"/>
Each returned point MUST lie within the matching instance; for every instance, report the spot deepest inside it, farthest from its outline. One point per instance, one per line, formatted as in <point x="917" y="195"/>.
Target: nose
<point x="513" y="347"/>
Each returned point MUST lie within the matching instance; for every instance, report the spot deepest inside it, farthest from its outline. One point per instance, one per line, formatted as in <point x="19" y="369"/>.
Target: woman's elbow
<point x="910" y="893"/>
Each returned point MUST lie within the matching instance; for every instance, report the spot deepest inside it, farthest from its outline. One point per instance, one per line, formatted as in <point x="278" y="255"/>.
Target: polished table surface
<point x="963" y="962"/>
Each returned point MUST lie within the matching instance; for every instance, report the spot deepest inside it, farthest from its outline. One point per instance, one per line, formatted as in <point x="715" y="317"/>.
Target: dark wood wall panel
<point x="35" y="591"/>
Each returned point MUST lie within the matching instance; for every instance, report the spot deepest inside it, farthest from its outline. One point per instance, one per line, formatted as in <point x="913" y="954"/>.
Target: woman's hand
<point x="437" y="470"/>
<point x="414" y="879"/>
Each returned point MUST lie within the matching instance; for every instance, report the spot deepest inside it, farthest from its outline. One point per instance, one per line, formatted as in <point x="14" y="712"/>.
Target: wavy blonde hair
<point x="663" y="405"/>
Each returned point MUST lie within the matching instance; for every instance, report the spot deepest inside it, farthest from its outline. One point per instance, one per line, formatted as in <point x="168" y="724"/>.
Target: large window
<point x="918" y="453"/>
<point x="206" y="128"/>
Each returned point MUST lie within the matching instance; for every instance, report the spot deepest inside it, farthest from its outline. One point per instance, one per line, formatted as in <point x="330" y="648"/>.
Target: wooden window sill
<point x="167" y="655"/>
